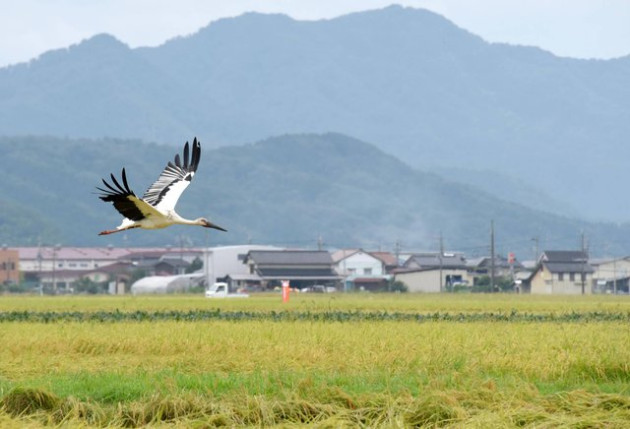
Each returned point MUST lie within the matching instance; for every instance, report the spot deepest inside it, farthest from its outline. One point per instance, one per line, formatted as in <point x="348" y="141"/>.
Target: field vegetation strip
<point x="326" y="316"/>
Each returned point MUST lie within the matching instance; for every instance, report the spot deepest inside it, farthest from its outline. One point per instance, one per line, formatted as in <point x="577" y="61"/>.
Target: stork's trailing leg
<point x="111" y="231"/>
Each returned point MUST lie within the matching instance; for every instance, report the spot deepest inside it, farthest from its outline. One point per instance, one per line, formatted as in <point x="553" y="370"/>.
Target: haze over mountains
<point x="288" y="190"/>
<point x="550" y="130"/>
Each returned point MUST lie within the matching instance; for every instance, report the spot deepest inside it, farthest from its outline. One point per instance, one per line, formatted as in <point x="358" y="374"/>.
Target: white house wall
<point x="221" y="261"/>
<point x="360" y="264"/>
<point x="545" y="282"/>
<point x="427" y="281"/>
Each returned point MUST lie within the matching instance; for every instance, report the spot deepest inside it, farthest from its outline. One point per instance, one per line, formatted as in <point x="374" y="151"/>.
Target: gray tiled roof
<point x="433" y="260"/>
<point x="564" y="256"/>
<point x="569" y="267"/>
<point x="499" y="262"/>
<point x="566" y="261"/>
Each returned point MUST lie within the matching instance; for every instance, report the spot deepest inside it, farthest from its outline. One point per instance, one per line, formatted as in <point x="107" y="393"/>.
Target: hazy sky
<point x="575" y="28"/>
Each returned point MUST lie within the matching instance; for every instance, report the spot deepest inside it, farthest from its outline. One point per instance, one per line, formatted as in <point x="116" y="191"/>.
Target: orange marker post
<point x="285" y="290"/>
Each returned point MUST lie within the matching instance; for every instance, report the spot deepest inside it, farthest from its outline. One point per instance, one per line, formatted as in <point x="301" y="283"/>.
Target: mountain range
<point x="405" y="79"/>
<point x="293" y="190"/>
<point x="535" y="134"/>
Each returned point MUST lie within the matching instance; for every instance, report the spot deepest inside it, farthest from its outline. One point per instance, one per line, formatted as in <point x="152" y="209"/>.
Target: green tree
<point x="398" y="286"/>
<point x="195" y="265"/>
<point x="86" y="285"/>
<point x="501" y="284"/>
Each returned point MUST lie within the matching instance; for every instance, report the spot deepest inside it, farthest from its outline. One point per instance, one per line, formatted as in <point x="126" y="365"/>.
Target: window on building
<point x="560" y="276"/>
<point x="367" y="271"/>
<point x="572" y="276"/>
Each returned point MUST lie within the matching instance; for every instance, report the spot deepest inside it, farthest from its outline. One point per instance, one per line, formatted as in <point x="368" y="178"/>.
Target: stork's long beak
<point x="211" y="225"/>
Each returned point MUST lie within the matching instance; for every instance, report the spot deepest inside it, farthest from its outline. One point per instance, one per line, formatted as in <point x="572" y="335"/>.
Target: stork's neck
<point x="183" y="221"/>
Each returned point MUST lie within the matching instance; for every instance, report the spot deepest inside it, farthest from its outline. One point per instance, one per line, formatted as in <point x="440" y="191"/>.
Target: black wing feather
<point x="124" y="177"/>
<point x="120" y="198"/>
<point x="196" y="155"/>
<point x="186" y="155"/>
<point x="108" y="185"/>
<point x="117" y="184"/>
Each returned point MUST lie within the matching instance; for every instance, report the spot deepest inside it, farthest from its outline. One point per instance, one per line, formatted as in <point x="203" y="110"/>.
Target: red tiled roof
<point x="388" y="258"/>
<point x="90" y="253"/>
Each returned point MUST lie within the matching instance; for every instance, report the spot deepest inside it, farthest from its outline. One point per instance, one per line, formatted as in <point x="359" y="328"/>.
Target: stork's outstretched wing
<point x="124" y="200"/>
<point x="166" y="190"/>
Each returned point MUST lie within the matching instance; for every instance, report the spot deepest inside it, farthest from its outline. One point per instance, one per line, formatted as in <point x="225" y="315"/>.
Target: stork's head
<point x="206" y="223"/>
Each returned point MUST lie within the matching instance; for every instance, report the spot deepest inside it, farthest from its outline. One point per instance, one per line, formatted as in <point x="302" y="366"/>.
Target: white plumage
<point x="156" y="208"/>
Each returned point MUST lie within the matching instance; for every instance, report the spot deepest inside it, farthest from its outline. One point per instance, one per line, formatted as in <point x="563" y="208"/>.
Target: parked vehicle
<point x="319" y="289"/>
<point x="222" y="290"/>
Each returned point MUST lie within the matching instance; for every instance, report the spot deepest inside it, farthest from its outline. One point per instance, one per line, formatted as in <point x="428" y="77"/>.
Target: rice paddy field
<point x="321" y="360"/>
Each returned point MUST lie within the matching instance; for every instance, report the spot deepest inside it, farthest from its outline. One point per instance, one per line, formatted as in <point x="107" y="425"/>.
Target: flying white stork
<point x="156" y="208"/>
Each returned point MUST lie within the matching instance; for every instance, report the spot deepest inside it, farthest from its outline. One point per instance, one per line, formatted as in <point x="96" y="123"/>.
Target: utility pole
<point x="54" y="282"/>
<point x="536" y="249"/>
<point x="614" y="276"/>
<point x="320" y="242"/>
<point x="441" y="263"/>
<point x="583" y="267"/>
<point x="40" y="257"/>
<point x="397" y="252"/>
<point x="492" y="268"/>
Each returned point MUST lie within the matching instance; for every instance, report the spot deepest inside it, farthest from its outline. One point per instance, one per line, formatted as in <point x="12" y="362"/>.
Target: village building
<point x="432" y="272"/>
<point x="483" y="266"/>
<point x="363" y="270"/>
<point x="563" y="272"/>
<point x="9" y="266"/>
<point x="226" y="264"/>
<point x="312" y="269"/>
<point x="58" y="269"/>
<point x="55" y="269"/>
<point x="611" y="275"/>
